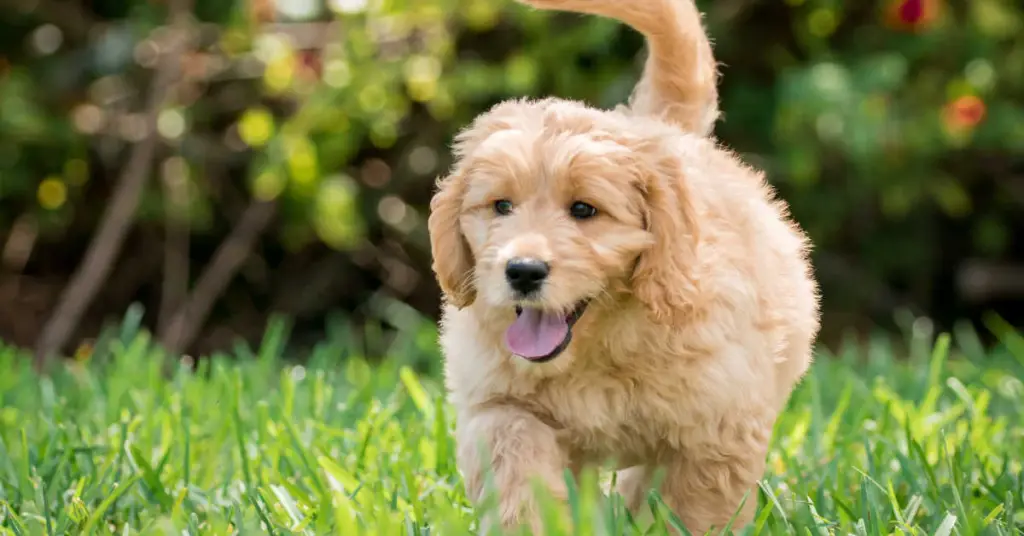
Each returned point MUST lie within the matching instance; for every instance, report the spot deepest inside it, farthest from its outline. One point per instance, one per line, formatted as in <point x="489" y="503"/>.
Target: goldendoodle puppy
<point x="619" y="288"/>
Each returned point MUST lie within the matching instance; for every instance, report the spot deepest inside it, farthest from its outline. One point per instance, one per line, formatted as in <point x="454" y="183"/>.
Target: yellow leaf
<point x="256" y="127"/>
<point x="52" y="193"/>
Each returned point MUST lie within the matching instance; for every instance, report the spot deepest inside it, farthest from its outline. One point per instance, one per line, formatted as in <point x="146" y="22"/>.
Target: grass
<point x="248" y="444"/>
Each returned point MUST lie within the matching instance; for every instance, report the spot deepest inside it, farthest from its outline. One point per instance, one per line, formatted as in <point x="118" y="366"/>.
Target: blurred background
<point x="224" y="161"/>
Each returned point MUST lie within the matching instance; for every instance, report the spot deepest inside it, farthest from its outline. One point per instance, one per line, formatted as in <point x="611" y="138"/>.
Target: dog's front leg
<point x="706" y="480"/>
<point x="705" y="493"/>
<point x="521" y="450"/>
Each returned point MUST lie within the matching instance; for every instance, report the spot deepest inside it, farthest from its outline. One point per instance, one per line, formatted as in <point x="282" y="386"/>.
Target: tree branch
<point x="70" y="17"/>
<point x="183" y="327"/>
<point x="120" y="214"/>
<point x="174" y="287"/>
<point x="979" y="280"/>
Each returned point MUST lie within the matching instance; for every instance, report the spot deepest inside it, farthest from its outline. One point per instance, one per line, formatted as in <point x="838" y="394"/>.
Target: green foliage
<point x="871" y="444"/>
<point x="878" y="130"/>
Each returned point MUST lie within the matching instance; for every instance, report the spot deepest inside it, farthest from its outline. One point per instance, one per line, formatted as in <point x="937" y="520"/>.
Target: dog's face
<point x="546" y="211"/>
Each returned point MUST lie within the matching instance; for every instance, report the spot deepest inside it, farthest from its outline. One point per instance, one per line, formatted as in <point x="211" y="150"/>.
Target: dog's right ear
<point x="452" y="258"/>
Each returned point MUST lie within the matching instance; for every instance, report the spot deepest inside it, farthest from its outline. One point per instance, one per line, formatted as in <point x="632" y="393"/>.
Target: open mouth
<point x="539" y="336"/>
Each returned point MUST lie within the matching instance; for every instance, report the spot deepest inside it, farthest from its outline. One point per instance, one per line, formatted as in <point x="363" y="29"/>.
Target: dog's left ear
<point x="663" y="277"/>
<point x="453" y="260"/>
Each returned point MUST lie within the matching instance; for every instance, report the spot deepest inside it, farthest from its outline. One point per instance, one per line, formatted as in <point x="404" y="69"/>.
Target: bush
<point x="890" y="126"/>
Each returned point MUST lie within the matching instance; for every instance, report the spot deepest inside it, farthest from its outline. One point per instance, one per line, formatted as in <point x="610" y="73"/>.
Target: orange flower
<point x="84" y="351"/>
<point x="964" y="112"/>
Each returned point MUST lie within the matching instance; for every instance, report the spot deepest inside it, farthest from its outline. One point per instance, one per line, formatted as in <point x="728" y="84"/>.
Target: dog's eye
<point x="582" y="211"/>
<point x="503" y="207"/>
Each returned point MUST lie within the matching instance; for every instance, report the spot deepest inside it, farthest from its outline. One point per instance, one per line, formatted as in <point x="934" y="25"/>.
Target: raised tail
<point x="680" y="78"/>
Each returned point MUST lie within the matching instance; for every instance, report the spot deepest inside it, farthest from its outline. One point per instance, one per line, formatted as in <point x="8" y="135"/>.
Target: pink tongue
<point x="536" y="334"/>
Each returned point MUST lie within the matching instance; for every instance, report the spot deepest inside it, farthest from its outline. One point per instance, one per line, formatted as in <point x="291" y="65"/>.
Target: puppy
<point x="619" y="288"/>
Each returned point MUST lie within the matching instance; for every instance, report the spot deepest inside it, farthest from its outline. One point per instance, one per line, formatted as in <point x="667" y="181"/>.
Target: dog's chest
<point x="603" y="415"/>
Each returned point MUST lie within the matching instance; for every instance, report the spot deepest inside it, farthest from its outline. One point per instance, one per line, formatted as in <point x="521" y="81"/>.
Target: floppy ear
<point x="662" y="278"/>
<point x="453" y="261"/>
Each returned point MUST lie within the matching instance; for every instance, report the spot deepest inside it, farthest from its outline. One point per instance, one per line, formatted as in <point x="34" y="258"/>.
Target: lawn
<point x="921" y="436"/>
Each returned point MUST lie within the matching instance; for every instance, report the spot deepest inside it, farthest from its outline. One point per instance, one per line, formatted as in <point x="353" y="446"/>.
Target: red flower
<point x="911" y="11"/>
<point x="310" y="64"/>
<point x="912" y="15"/>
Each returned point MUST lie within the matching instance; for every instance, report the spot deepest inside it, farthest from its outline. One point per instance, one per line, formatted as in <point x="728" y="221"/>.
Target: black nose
<point x="526" y="275"/>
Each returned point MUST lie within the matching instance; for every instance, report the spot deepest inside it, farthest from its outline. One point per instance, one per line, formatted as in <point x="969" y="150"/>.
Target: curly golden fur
<point x="701" y="309"/>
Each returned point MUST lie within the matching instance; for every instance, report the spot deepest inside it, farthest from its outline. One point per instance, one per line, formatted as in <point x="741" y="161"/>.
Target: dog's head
<point x="552" y="205"/>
